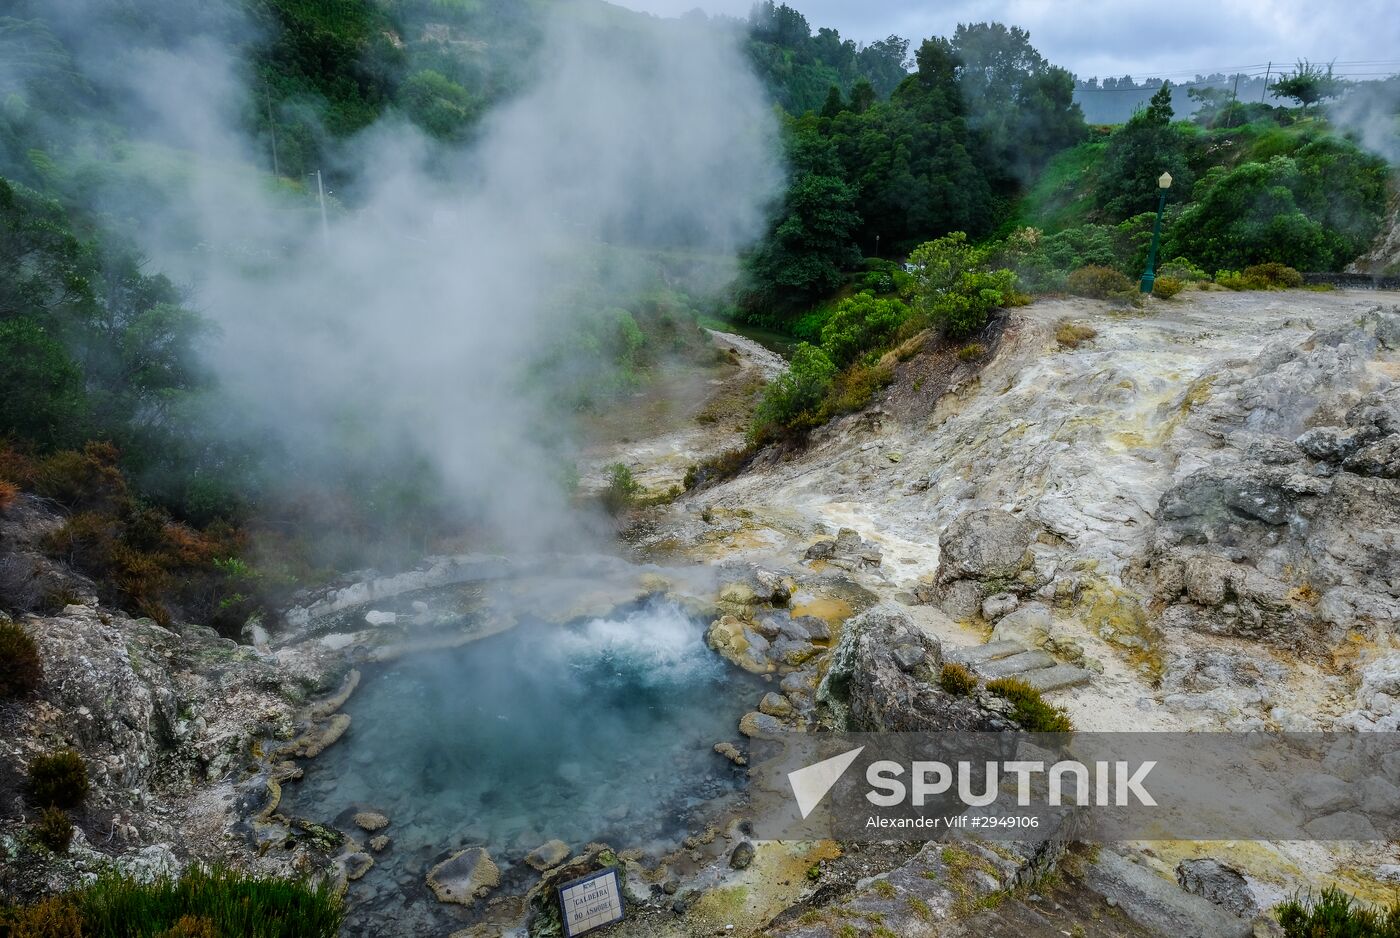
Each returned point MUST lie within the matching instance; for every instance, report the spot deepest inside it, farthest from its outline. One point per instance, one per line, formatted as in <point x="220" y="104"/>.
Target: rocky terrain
<point x="1189" y="521"/>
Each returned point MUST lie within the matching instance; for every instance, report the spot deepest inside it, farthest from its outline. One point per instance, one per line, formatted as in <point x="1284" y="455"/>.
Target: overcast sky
<point x="1118" y="37"/>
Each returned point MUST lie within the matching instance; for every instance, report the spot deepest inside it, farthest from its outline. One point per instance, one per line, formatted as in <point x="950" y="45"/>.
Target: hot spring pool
<point x="599" y="731"/>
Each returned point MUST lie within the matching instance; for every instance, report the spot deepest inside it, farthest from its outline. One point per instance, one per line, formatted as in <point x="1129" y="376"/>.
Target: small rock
<point x="761" y="726"/>
<point x="775" y="705"/>
<point x="731" y="752"/>
<point x="1221" y="884"/>
<point x="356" y="865"/>
<point x="376" y="618"/>
<point x="994" y="607"/>
<point x="547" y="855"/>
<point x="742" y="856"/>
<point x="464" y="877"/>
<point x="371" y="821"/>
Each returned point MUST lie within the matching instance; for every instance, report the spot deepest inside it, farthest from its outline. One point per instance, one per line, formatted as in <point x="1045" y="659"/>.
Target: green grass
<point x="220" y="901"/>
<point x="1334" y="914"/>
<point x="1032" y="712"/>
<point x="1061" y="197"/>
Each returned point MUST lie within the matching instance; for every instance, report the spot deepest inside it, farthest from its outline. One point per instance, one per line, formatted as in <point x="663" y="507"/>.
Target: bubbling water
<point x="603" y="730"/>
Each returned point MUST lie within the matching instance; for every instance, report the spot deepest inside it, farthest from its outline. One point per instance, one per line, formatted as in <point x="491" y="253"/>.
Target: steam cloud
<point x="409" y="327"/>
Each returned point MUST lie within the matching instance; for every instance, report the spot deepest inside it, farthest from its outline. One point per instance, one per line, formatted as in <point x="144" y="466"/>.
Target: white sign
<point x="591" y="901"/>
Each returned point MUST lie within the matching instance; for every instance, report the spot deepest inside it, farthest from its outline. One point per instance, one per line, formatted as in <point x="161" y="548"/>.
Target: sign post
<point x="590" y="902"/>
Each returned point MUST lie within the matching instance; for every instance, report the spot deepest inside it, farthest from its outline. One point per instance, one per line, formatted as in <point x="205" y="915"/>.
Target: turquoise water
<point x="600" y="731"/>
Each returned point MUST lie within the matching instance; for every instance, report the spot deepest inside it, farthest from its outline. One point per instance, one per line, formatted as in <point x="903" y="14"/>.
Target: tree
<point x="834" y="105"/>
<point x="1308" y="84"/>
<point x="859" y="323"/>
<point x="862" y="96"/>
<point x="1020" y="108"/>
<point x="1139" y="152"/>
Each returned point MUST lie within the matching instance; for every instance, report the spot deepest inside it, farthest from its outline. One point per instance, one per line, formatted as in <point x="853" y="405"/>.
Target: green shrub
<point x="20" y="667"/>
<point x="1180" y="268"/>
<point x="791" y="400"/>
<point x="58" y="779"/>
<point x="1031" y="710"/>
<point x="54" y="829"/>
<point x="622" y="490"/>
<point x="1099" y="282"/>
<point x="1073" y="335"/>
<point x="957" y="680"/>
<point x="972" y="352"/>
<point x="860" y="324"/>
<point x="1334" y="914"/>
<point x="1164" y="288"/>
<point x="954" y="289"/>
<point x="1269" y="276"/>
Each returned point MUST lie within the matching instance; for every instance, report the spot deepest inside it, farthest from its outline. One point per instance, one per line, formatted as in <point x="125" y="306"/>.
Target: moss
<point x="884" y="888"/>
<point x="920" y="908"/>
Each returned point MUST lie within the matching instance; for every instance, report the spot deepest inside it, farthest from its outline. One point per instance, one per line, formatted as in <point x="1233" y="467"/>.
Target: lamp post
<point x="1164" y="182"/>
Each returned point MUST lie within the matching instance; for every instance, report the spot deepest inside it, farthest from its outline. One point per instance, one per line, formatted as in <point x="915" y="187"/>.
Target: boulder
<point x="739" y="644"/>
<point x="742" y="856"/>
<point x="1380" y="459"/>
<point x="984" y="544"/>
<point x="883" y="677"/>
<point x="1031" y="625"/>
<point x="1224" y="885"/>
<point x="464" y="877"/>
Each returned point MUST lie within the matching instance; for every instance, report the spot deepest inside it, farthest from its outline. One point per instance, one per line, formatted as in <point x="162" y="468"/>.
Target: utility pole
<point x="1267" y="72"/>
<point x="1235" y="99"/>
<point x="325" y="224"/>
<point x="272" y="128"/>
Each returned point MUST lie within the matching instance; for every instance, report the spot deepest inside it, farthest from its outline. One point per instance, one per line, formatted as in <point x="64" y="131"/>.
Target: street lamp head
<point x="1164" y="181"/>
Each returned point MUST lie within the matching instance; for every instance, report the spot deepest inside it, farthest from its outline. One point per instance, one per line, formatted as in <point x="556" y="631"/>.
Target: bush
<point x="8" y="493"/>
<point x="953" y="287"/>
<point x="57" y="917"/>
<point x="717" y="468"/>
<point x="1099" y="282"/>
<point x="58" y="779"/>
<point x="1336" y="915"/>
<point x="1031" y="710"/>
<point x="1180" y="268"/>
<point x="1261" y="277"/>
<point x="957" y="680"/>
<point x="20" y="667"/>
<point x="1164" y="288"/>
<point x="972" y="352"/>
<point x="859" y="324"/>
<point x="1073" y="335"/>
<point x="853" y="389"/>
<point x="54" y="830"/>
<point x="622" y="490"/>
<point x="791" y="400"/>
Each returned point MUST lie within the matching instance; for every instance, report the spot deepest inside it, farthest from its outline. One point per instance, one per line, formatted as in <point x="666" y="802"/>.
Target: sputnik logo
<point x="810" y="784"/>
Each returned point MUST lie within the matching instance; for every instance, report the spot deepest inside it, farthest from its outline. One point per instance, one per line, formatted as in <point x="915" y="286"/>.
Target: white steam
<point x="408" y="329"/>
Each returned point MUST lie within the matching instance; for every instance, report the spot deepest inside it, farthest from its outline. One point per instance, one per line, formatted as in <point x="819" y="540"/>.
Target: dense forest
<point x="966" y="156"/>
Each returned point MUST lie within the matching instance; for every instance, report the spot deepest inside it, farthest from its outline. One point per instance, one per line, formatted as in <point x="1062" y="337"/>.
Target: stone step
<point x="980" y="654"/>
<point x="1061" y="675"/>
<point x="1015" y="665"/>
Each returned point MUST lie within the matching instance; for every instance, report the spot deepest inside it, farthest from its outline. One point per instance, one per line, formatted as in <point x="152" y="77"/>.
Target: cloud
<point x="1118" y="37"/>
